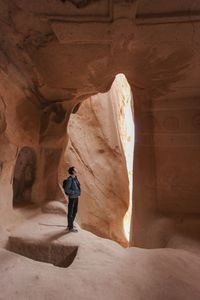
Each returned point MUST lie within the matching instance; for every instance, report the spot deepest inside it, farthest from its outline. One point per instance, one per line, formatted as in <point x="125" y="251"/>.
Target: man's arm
<point x="63" y="193"/>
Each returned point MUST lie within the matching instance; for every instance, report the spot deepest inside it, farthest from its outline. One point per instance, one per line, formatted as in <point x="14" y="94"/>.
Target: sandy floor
<point x="101" y="269"/>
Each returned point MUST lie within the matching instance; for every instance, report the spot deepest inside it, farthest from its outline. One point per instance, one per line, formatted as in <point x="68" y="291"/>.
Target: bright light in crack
<point x="127" y="137"/>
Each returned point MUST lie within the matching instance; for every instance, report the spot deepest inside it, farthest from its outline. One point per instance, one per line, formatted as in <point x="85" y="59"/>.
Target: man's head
<point x="72" y="171"/>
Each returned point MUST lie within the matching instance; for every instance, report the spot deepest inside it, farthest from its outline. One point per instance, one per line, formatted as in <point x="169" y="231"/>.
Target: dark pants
<point x="72" y="210"/>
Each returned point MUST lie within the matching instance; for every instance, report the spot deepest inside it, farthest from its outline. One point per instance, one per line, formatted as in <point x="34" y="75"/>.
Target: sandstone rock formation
<point x="96" y="149"/>
<point x="55" y="54"/>
<point x="49" y="64"/>
<point x="99" y="268"/>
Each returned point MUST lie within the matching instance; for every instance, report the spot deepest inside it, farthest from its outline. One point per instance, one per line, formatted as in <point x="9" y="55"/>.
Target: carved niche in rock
<point x="24" y="176"/>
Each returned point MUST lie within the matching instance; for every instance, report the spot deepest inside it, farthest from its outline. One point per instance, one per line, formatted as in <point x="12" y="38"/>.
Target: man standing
<point x="72" y="189"/>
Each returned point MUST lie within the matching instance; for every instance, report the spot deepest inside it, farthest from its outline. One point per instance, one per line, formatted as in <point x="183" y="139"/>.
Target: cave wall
<point x="166" y="161"/>
<point x="54" y="54"/>
<point x="19" y="128"/>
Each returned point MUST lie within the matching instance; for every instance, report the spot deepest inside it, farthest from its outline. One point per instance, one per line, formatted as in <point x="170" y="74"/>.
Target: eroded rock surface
<point x="100" y="266"/>
<point x="95" y="148"/>
<point x="53" y="55"/>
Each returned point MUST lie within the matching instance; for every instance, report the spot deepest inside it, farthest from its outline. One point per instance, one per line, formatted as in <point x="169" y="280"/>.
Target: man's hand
<point x="65" y="198"/>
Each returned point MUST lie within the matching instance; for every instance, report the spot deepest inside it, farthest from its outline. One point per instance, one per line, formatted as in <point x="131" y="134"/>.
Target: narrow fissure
<point x="126" y="124"/>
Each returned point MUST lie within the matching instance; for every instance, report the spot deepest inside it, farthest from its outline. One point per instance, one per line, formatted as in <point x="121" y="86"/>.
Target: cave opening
<point x="127" y="135"/>
<point x="24" y="177"/>
<point x="101" y="146"/>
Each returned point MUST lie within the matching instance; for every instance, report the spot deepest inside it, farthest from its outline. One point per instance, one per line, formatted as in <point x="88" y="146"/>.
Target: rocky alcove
<point x="24" y="177"/>
<point x="49" y="252"/>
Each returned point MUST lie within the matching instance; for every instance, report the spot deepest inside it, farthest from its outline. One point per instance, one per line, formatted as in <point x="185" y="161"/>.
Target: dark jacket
<point x="72" y="187"/>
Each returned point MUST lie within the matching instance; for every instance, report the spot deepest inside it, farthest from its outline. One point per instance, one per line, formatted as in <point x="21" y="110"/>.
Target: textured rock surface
<point x="95" y="148"/>
<point x="54" y="207"/>
<point x="100" y="267"/>
<point x="54" y="54"/>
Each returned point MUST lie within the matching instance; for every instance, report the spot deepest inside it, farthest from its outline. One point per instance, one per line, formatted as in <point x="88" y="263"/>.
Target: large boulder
<point x="96" y="149"/>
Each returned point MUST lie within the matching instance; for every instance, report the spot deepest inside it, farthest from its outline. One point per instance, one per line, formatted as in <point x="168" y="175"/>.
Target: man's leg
<point x="75" y="209"/>
<point x="70" y="213"/>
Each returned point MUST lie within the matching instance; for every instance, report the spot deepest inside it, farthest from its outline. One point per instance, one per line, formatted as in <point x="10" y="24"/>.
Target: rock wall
<point x="166" y="161"/>
<point x="54" y="54"/>
<point x="19" y="128"/>
<point x="95" y="148"/>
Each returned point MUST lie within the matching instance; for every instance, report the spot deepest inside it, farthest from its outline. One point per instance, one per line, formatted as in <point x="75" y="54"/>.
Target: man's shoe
<point x="73" y="230"/>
